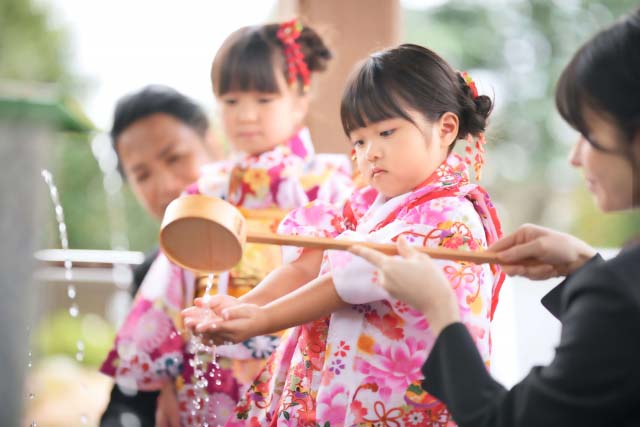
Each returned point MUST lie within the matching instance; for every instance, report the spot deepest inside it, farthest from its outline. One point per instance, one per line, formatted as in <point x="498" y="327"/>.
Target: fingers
<point x="241" y="311"/>
<point x="161" y="420"/>
<point x="405" y="249"/>
<point x="214" y="302"/>
<point x="536" y="272"/>
<point x="374" y="257"/>
<point x="174" y="416"/>
<point x="523" y="234"/>
<point x="206" y="326"/>
<point x="513" y="255"/>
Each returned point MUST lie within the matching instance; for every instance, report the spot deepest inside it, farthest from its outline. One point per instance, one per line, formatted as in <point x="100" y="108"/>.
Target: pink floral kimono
<point x="150" y="349"/>
<point x="362" y="366"/>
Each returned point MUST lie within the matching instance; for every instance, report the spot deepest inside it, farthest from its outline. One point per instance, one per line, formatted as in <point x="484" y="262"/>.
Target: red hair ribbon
<point x="288" y="34"/>
<point x="469" y="81"/>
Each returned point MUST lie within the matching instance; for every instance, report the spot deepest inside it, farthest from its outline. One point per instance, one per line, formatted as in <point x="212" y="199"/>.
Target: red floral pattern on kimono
<point x="368" y="371"/>
<point x="149" y="348"/>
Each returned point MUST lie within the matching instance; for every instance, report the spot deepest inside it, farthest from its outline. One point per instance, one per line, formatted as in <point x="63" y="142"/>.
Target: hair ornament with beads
<point x="288" y="34"/>
<point x="478" y="159"/>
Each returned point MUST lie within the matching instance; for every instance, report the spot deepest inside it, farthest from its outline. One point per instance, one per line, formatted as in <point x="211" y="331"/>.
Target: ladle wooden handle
<point x="326" y="243"/>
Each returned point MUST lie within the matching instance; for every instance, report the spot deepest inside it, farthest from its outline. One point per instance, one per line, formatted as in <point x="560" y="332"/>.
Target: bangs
<point x="370" y="98"/>
<point x="569" y="99"/>
<point x="247" y="66"/>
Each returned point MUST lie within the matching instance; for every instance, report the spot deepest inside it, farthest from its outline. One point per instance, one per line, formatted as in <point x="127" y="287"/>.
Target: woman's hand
<point x="418" y="281"/>
<point x="167" y="411"/>
<point x="553" y="253"/>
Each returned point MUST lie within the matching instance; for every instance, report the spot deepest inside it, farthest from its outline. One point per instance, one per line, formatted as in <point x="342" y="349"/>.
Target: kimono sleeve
<point x="148" y="349"/>
<point x="317" y="219"/>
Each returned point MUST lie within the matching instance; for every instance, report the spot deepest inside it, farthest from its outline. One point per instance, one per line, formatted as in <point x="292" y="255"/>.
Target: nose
<point x="576" y="152"/>
<point x="374" y="151"/>
<point x="168" y="187"/>
<point x="247" y="111"/>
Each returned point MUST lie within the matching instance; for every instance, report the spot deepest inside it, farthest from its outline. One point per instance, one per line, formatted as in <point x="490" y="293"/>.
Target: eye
<point x="142" y="177"/>
<point x="358" y="143"/>
<point x="174" y="158"/>
<point x="264" y="100"/>
<point x="386" y="133"/>
<point x="230" y="101"/>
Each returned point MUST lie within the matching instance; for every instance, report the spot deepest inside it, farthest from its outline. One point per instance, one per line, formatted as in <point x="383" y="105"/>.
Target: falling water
<point x="74" y="309"/>
<point x="204" y="360"/>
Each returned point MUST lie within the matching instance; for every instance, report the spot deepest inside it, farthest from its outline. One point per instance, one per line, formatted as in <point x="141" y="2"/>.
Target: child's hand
<point x="167" y="410"/>
<point x="238" y="323"/>
<point x="206" y="310"/>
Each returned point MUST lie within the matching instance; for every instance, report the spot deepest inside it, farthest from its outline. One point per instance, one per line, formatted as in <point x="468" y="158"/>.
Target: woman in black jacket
<point x="594" y="379"/>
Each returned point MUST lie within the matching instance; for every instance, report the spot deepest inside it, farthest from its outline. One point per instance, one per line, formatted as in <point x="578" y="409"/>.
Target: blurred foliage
<point x="30" y="49"/>
<point x="82" y="195"/>
<point x="60" y="333"/>
<point x="516" y="50"/>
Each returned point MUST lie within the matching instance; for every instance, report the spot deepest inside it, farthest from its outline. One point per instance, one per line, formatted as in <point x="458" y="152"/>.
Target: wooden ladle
<point x="207" y="234"/>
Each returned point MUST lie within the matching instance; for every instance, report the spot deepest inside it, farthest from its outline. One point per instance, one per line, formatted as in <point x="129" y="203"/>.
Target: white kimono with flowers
<point x="363" y="366"/>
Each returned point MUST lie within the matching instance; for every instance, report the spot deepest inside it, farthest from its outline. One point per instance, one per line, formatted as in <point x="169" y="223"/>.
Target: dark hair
<point x="411" y="77"/>
<point x="604" y="75"/>
<point x="157" y="99"/>
<point x="248" y="58"/>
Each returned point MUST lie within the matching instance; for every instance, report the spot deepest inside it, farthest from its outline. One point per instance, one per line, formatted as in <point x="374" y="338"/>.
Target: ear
<point x="447" y="128"/>
<point x="301" y="107"/>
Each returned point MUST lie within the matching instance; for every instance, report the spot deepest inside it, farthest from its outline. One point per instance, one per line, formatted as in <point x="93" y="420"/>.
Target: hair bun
<point x="316" y="53"/>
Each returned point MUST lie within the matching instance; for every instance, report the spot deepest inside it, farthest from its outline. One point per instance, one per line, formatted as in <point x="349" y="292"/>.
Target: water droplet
<point x="74" y="310"/>
<point x="62" y="227"/>
<point x="68" y="264"/>
<point x="29" y="364"/>
<point x="32" y="395"/>
<point x="34" y="424"/>
<point x="79" y="356"/>
<point x="29" y="354"/>
<point x="71" y="291"/>
<point x="68" y="275"/>
<point x="218" y="382"/>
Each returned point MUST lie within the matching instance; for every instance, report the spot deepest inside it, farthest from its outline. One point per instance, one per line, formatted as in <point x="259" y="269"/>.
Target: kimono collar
<point x="450" y="174"/>
<point x="299" y="145"/>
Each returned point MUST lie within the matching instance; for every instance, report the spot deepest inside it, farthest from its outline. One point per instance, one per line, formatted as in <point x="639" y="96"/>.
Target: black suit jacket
<point x="142" y="405"/>
<point x="594" y="378"/>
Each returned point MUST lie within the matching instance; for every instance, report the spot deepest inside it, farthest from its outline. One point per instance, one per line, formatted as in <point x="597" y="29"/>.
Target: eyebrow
<point x="167" y="149"/>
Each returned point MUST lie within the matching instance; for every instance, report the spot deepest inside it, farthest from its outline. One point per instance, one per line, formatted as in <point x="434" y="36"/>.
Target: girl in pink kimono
<point x="264" y="100"/>
<point x="403" y="111"/>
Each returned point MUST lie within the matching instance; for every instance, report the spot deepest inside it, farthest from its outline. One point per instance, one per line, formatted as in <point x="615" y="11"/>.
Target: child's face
<point x="256" y="122"/>
<point x="160" y="157"/>
<point x="396" y="156"/>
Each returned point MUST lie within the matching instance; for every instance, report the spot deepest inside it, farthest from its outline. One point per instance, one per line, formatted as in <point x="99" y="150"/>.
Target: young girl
<point x="261" y="77"/>
<point x="403" y="110"/>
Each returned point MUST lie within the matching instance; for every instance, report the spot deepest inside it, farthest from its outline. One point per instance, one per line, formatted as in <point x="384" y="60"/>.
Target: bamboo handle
<point x="326" y="243"/>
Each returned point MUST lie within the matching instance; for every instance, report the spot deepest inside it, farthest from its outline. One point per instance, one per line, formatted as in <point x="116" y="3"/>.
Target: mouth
<point x="375" y="172"/>
<point x="248" y="134"/>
